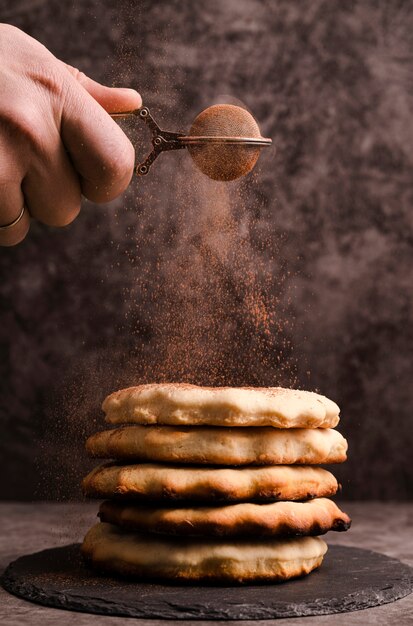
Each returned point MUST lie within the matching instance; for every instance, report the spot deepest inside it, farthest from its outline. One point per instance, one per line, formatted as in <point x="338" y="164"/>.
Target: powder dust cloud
<point x="215" y="316"/>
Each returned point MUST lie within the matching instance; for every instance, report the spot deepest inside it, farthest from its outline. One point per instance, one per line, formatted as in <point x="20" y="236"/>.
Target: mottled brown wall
<point x="322" y="233"/>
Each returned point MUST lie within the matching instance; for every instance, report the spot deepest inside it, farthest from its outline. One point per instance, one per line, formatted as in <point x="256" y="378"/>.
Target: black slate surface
<point x="350" y="579"/>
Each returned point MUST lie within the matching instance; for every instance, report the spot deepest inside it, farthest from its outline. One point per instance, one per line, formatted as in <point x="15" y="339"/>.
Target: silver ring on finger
<point x="14" y="222"/>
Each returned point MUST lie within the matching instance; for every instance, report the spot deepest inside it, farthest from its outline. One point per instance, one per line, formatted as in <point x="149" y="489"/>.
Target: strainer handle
<point x="162" y="140"/>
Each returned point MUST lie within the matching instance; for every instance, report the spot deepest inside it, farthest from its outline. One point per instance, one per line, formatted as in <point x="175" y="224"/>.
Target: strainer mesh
<point x="225" y="120"/>
<point x="221" y="161"/>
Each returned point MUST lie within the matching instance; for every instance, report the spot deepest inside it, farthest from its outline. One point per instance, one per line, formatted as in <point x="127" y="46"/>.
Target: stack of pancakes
<point x="214" y="483"/>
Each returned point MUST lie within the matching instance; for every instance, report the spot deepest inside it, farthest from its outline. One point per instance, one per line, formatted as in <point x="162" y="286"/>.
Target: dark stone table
<point x="25" y="528"/>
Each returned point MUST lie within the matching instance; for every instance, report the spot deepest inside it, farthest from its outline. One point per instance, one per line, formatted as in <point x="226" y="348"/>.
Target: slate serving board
<point x="349" y="579"/>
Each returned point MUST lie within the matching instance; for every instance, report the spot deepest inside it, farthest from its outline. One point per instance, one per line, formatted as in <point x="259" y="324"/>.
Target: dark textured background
<point x="166" y="282"/>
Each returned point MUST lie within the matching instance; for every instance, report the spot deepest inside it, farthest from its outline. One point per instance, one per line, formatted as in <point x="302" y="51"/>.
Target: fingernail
<point x="131" y="93"/>
<point x="126" y="90"/>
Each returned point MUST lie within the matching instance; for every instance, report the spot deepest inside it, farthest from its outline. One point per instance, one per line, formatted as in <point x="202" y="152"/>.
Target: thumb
<point x="112" y="99"/>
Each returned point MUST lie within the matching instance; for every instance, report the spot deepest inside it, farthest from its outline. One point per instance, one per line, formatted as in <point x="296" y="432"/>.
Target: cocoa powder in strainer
<point x="220" y="161"/>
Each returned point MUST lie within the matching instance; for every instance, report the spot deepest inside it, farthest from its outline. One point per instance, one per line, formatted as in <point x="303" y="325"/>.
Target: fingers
<point x="50" y="192"/>
<point x="56" y="138"/>
<point x="11" y="204"/>
<point x="112" y="99"/>
<point x="52" y="188"/>
<point x="100" y="151"/>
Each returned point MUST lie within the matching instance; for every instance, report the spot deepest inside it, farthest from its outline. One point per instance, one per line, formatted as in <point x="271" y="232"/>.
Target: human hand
<point x="57" y="140"/>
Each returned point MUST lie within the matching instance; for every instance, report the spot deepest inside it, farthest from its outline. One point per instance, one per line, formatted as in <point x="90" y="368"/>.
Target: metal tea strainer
<point x="224" y="141"/>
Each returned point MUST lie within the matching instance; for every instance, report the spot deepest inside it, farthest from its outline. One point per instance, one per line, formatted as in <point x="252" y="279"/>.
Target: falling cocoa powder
<point x="215" y="316"/>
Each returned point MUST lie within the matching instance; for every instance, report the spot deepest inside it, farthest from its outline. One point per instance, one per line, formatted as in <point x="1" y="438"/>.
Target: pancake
<point x="205" y="484"/>
<point x="184" y="404"/>
<point x="220" y="446"/>
<point x="110" y="549"/>
<point x="282" y="519"/>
